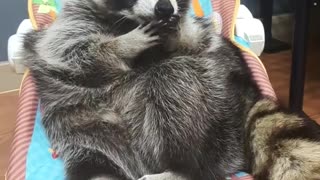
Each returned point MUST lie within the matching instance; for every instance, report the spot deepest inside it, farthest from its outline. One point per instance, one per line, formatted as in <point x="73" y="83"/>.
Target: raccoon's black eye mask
<point x="123" y="4"/>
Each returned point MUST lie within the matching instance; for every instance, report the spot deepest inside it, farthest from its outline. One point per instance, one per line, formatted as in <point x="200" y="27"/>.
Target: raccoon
<point x="283" y="145"/>
<point x="135" y="89"/>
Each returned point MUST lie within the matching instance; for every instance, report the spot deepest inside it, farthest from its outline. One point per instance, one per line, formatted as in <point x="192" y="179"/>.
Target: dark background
<point x="279" y="6"/>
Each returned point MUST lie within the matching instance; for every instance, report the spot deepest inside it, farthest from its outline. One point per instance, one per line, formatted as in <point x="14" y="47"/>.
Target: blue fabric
<point x="40" y="165"/>
<point x="58" y="4"/>
<point x="206" y="8"/>
<point x="242" y="42"/>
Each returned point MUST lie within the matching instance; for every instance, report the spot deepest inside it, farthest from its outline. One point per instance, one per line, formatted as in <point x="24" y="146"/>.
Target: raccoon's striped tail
<point x="282" y="146"/>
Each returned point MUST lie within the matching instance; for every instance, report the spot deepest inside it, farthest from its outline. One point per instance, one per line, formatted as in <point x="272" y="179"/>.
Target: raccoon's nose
<point x="164" y="8"/>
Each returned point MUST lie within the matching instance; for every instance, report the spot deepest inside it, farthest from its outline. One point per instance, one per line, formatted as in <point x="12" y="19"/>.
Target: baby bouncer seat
<point x="31" y="157"/>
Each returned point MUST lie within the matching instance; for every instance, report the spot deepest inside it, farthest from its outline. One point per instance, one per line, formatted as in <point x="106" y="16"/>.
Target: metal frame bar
<point x="298" y="68"/>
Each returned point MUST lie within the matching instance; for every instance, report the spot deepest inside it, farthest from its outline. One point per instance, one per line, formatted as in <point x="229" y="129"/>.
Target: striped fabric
<point x="259" y="74"/>
<point x="28" y="97"/>
<point x="228" y="11"/>
<point x="23" y="131"/>
<point x="42" y="13"/>
<point x="42" y="19"/>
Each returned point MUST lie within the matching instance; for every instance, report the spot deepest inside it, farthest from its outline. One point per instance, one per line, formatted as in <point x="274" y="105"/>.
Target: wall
<point x="12" y="12"/>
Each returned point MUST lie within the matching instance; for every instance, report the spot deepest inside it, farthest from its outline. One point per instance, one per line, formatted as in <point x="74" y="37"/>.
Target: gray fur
<point x="119" y="103"/>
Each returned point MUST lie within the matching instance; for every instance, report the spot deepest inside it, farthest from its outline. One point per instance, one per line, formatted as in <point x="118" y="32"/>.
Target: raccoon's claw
<point x="147" y="35"/>
<point x="174" y="19"/>
<point x="169" y="26"/>
<point x="151" y="28"/>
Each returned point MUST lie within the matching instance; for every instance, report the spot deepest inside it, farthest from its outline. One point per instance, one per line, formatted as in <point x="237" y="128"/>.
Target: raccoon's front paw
<point x="169" y="33"/>
<point x="146" y="35"/>
<point x="169" y="26"/>
<point x="173" y="22"/>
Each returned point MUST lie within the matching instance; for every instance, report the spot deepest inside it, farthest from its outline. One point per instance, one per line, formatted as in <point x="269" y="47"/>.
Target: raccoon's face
<point x="145" y="10"/>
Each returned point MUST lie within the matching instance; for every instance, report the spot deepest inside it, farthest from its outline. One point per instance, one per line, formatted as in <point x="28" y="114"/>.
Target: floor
<point x="277" y="65"/>
<point x="8" y="106"/>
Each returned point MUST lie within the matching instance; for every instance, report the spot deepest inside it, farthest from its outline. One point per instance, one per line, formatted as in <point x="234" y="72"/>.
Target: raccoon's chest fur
<point x="150" y="57"/>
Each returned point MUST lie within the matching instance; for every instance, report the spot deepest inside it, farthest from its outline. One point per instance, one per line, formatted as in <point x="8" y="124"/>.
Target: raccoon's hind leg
<point x="91" y="145"/>
<point x="98" y="151"/>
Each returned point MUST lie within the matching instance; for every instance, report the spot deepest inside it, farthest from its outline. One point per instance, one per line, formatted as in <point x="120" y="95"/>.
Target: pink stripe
<point x="268" y="92"/>
<point x="29" y="103"/>
<point x="44" y="20"/>
<point x="41" y="19"/>
<point x="18" y="173"/>
<point x="23" y="132"/>
<point x="266" y="88"/>
<point x="19" y="146"/>
<point x="18" y="162"/>
<point x="28" y="112"/>
<point x="261" y="77"/>
<point x="23" y="124"/>
<point x="17" y="155"/>
<point x="28" y="106"/>
<point x="26" y="117"/>
<point x="226" y="10"/>
<point x="259" y="74"/>
<point x="28" y="124"/>
<point x="24" y="135"/>
<point x="254" y="62"/>
<point x="27" y="90"/>
<point x="27" y="80"/>
<point x="31" y="95"/>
